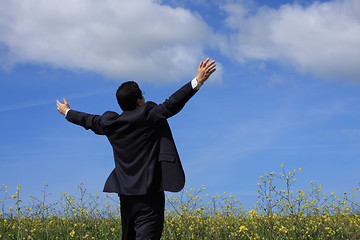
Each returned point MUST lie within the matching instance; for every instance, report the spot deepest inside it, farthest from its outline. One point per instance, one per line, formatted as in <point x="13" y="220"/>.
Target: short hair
<point x="127" y="95"/>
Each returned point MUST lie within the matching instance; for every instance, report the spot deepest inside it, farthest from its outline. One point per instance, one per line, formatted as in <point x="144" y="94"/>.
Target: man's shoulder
<point x="150" y="104"/>
<point x="110" y="113"/>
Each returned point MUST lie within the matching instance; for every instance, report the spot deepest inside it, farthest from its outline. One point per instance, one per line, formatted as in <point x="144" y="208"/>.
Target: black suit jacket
<point x="146" y="159"/>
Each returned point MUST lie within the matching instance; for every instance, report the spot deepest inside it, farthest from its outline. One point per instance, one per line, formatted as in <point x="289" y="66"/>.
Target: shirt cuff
<point x="195" y="84"/>
<point x="67" y="112"/>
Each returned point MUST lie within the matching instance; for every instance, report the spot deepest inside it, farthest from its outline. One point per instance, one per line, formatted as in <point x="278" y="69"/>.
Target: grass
<point x="281" y="212"/>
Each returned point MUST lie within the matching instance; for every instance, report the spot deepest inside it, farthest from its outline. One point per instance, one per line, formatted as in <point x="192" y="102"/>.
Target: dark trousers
<point x="142" y="217"/>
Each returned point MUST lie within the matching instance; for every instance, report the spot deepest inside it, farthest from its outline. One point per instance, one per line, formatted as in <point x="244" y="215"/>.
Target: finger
<point x="211" y="72"/>
<point x="65" y="102"/>
<point x="210" y="67"/>
<point x="212" y="63"/>
<point x="206" y="61"/>
<point x="200" y="65"/>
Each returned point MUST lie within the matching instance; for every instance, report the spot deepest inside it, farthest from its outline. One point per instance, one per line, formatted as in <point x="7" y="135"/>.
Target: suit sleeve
<point x="88" y="121"/>
<point x="173" y="104"/>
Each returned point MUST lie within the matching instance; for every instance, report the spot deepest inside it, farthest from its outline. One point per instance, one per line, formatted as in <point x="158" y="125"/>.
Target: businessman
<point x="146" y="159"/>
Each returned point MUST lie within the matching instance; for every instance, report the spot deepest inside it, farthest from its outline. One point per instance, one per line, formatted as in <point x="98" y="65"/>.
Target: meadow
<point x="281" y="212"/>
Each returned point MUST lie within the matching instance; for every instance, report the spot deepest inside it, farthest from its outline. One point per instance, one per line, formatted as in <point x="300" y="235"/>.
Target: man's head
<point x="129" y="96"/>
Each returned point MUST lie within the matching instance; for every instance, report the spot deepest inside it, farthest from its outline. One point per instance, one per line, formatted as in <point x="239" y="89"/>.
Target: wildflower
<point x="243" y="229"/>
<point x="72" y="233"/>
<point x="18" y="187"/>
<point x="283" y="229"/>
<point x="253" y="213"/>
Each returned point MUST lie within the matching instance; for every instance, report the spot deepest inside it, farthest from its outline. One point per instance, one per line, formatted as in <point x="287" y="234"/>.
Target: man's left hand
<point x="62" y="107"/>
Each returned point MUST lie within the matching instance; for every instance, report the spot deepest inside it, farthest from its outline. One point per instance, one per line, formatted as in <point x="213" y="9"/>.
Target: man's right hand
<point x="62" y="107"/>
<point x="205" y="70"/>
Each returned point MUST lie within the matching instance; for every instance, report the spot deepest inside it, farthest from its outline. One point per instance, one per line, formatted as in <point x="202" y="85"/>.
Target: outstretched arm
<point x="177" y="100"/>
<point x="88" y="121"/>
<point x="62" y="107"/>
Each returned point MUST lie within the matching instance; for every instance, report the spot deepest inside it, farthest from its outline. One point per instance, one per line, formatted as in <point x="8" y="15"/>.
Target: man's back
<point x="146" y="159"/>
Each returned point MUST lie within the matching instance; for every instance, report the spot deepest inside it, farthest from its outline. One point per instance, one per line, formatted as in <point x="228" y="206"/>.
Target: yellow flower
<point x="283" y="229"/>
<point x="72" y="233"/>
<point x="253" y="213"/>
<point x="243" y="229"/>
<point x="18" y="187"/>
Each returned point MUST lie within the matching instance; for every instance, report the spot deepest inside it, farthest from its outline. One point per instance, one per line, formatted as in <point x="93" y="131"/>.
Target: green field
<point x="281" y="212"/>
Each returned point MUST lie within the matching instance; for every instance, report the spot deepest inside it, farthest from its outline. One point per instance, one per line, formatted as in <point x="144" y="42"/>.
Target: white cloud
<point x="138" y="39"/>
<point x="321" y="39"/>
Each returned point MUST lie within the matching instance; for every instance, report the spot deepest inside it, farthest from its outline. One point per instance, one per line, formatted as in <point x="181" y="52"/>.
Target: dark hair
<point x="127" y="95"/>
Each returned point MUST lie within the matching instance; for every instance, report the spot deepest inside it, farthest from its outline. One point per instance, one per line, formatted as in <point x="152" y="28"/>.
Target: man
<point x="146" y="159"/>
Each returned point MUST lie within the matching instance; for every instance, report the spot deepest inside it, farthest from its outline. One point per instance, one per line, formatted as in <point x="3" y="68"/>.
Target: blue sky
<point x="286" y="89"/>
